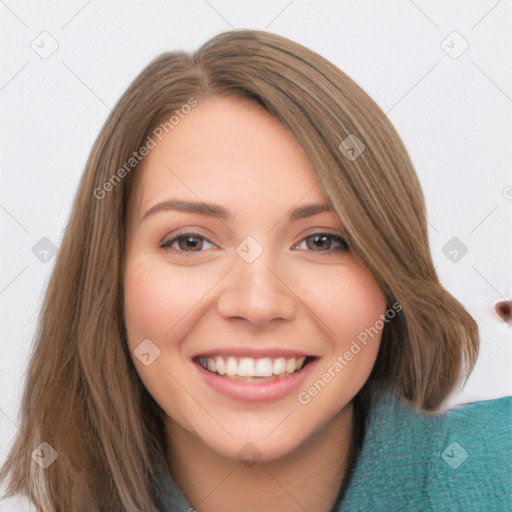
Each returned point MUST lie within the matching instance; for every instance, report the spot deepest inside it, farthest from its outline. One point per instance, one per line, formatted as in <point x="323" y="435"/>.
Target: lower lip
<point x="255" y="391"/>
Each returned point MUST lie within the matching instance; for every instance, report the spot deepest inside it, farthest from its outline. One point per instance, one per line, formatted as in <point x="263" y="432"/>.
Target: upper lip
<point x="256" y="353"/>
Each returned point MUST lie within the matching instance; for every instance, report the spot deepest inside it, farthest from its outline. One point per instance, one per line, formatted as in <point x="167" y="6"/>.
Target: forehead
<point x="228" y="151"/>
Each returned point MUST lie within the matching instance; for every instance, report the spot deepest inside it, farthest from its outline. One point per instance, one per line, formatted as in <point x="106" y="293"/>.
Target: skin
<point x="232" y="153"/>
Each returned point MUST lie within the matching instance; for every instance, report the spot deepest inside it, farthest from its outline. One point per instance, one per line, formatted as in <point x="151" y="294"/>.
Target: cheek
<point x="349" y="308"/>
<point x="347" y="300"/>
<point x="147" y="297"/>
<point x="157" y="298"/>
<point x="160" y="303"/>
<point x="163" y="301"/>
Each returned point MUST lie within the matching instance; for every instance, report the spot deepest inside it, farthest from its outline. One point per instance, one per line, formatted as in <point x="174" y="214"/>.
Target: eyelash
<point x="192" y="234"/>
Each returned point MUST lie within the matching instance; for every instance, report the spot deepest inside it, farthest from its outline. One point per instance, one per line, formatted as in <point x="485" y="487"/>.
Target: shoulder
<point x="459" y="459"/>
<point x="473" y="456"/>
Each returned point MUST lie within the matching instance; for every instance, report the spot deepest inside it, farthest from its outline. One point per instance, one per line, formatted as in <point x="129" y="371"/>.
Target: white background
<point x="454" y="115"/>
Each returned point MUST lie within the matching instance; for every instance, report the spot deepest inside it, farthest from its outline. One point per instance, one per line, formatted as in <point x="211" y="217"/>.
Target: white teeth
<point x="220" y="365"/>
<point x="263" y="367"/>
<point x="246" y="367"/>
<point x="279" y="366"/>
<point x="290" y="365"/>
<point x="232" y="367"/>
<point x="251" y="367"/>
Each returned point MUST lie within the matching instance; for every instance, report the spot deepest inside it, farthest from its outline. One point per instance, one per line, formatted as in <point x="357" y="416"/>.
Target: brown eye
<point x="190" y="243"/>
<point x="187" y="243"/>
<point x="323" y="242"/>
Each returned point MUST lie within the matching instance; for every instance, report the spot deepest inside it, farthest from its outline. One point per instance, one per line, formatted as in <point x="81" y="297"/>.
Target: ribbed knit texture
<point x="461" y="460"/>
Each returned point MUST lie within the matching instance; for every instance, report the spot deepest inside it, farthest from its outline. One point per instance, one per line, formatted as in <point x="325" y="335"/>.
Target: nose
<point x="257" y="293"/>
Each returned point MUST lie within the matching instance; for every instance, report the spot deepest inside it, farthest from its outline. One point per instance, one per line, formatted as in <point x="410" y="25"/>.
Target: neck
<point x="309" y="478"/>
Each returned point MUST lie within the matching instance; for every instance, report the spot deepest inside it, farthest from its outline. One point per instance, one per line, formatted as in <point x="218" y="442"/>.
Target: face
<point x="243" y="303"/>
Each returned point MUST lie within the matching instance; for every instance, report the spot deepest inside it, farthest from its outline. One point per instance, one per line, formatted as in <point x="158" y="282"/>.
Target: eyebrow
<point x="219" y="212"/>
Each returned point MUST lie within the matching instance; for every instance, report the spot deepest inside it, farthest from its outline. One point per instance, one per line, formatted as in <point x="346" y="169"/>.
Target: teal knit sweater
<point x="461" y="460"/>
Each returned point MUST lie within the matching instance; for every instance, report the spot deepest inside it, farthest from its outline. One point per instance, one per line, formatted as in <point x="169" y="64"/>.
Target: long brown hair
<point x="83" y="395"/>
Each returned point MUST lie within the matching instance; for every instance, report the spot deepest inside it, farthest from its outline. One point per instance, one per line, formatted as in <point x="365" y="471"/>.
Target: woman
<point x="244" y="311"/>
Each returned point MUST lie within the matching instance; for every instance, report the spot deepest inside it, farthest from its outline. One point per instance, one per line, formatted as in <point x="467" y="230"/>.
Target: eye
<point x="194" y="242"/>
<point x="187" y="242"/>
<point x="323" y="242"/>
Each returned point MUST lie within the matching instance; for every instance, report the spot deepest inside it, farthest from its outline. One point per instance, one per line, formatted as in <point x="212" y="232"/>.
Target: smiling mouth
<point x="249" y="369"/>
